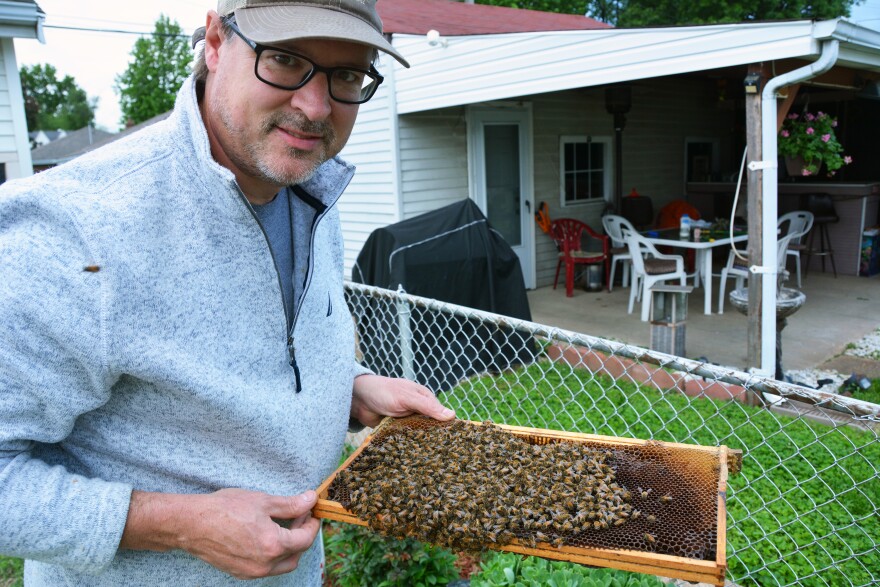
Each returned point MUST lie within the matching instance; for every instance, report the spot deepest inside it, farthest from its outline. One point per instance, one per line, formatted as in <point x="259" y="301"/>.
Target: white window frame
<point x="608" y="171"/>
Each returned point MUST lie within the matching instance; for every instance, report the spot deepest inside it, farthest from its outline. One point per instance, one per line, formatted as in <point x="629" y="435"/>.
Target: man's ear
<point x="214" y="38"/>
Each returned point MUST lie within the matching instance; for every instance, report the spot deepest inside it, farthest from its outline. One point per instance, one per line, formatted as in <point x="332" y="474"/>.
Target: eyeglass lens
<point x="288" y="70"/>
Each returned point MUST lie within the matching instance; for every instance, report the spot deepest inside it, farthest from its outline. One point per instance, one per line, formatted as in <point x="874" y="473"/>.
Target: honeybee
<point x="666" y="498"/>
<point x="650" y="538"/>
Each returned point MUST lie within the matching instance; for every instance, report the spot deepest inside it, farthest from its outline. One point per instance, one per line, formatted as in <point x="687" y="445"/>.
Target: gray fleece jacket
<point x="144" y="345"/>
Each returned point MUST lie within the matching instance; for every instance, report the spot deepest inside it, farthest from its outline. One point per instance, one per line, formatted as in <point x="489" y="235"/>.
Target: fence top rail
<point x="861" y="410"/>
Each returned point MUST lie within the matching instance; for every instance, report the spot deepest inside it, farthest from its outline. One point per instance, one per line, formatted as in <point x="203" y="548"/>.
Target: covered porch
<point x="837" y="311"/>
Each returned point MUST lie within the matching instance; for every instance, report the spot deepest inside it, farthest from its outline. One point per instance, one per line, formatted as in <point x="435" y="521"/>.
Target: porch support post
<point x="755" y="150"/>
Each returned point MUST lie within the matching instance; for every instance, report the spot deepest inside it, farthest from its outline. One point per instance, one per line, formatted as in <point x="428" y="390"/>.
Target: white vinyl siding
<point x="433" y="160"/>
<point x="479" y="68"/>
<point x="372" y="198"/>
<point x="15" y="154"/>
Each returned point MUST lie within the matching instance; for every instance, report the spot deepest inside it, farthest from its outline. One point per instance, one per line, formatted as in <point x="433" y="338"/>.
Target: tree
<point x="666" y="12"/>
<point x="160" y="63"/>
<point x="53" y="104"/>
<point x="633" y="13"/>
<point x="561" y="6"/>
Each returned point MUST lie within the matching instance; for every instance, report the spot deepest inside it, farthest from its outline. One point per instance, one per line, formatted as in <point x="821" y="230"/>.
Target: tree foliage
<point x="635" y="13"/>
<point x="53" y="104"/>
<point x="160" y="62"/>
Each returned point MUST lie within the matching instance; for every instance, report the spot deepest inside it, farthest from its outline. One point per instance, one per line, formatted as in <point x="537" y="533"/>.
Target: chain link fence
<point x="803" y="510"/>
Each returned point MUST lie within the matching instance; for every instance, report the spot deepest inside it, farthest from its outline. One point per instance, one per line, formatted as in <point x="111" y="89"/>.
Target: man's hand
<point x="374" y="397"/>
<point x="231" y="529"/>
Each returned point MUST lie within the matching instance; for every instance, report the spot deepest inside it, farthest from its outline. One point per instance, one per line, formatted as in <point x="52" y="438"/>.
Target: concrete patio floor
<point x="837" y="311"/>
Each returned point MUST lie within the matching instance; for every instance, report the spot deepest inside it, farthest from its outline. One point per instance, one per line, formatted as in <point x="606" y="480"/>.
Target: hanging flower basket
<point x="810" y="142"/>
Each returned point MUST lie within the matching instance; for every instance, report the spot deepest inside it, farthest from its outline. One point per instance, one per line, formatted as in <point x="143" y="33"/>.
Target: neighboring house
<point x="22" y="19"/>
<point x="82" y="141"/>
<point x="72" y="145"/>
<point x="497" y="97"/>
<point x="39" y="138"/>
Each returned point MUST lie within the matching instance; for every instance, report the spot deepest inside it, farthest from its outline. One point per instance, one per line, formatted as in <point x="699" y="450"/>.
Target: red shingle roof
<point x="452" y="18"/>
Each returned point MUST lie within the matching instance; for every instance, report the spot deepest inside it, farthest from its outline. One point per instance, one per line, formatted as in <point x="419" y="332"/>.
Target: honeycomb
<point x="469" y="487"/>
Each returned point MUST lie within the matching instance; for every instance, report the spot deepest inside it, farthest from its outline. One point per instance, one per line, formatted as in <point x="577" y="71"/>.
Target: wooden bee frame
<point x="727" y="461"/>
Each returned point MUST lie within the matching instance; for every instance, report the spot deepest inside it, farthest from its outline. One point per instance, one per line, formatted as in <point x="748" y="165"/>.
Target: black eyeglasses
<point x="287" y="70"/>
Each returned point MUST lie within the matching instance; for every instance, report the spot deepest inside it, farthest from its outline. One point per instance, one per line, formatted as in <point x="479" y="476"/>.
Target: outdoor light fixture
<point x="435" y="39"/>
<point x="752" y="83"/>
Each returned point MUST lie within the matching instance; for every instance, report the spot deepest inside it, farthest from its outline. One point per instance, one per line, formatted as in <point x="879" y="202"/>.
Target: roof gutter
<point x="770" y="191"/>
<point x="23" y="20"/>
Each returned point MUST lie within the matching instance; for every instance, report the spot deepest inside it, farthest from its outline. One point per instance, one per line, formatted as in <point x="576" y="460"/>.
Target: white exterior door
<point x="500" y="164"/>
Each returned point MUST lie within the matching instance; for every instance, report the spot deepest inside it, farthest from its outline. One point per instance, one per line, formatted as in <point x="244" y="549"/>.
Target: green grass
<point x="802" y="510"/>
<point x="11" y="570"/>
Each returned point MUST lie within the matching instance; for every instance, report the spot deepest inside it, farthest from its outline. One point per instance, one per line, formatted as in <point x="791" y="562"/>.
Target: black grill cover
<point x="453" y="255"/>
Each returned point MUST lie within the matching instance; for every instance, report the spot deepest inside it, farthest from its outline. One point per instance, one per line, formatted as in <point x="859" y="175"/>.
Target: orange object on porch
<point x="568" y="234"/>
<point x="670" y="217"/>
<point x="670" y="214"/>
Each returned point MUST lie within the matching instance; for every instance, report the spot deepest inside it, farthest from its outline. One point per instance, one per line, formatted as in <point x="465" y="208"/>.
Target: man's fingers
<point x="285" y="507"/>
<point x="427" y="404"/>
<point x="301" y="538"/>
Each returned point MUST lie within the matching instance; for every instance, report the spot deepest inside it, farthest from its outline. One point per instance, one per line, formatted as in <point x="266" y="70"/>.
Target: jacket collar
<point x="327" y="184"/>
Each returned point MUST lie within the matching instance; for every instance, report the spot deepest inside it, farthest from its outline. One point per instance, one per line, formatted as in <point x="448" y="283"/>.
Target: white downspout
<point x="770" y="193"/>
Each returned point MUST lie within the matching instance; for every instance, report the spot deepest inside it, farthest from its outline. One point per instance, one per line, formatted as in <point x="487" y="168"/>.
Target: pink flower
<point x="847" y="159"/>
<point x="810" y="130"/>
<point x="834" y="123"/>
<point x="805" y="172"/>
<point x="809" y="117"/>
<point x="793" y="116"/>
<point x="826" y="138"/>
<point x="786" y="134"/>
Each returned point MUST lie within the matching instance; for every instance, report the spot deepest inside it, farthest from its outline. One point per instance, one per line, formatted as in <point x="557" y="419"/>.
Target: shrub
<point x="356" y="556"/>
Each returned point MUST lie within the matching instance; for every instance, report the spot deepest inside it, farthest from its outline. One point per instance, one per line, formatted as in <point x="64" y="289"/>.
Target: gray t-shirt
<point x="276" y="218"/>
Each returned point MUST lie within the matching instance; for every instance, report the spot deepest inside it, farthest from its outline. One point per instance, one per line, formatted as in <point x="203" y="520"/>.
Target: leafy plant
<point x="812" y="137"/>
<point x="356" y="556"/>
<point x="11" y="572"/>
<point x="511" y="570"/>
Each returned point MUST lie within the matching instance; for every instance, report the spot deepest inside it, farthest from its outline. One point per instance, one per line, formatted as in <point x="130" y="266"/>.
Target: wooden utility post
<point x="755" y="213"/>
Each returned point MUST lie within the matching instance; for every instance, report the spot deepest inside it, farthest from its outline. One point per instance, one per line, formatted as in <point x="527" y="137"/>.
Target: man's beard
<point x="255" y="158"/>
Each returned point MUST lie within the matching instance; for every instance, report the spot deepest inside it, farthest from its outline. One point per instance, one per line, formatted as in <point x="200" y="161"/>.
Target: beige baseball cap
<point x="273" y="21"/>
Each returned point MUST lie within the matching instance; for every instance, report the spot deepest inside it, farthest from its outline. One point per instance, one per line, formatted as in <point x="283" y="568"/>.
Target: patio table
<point x="669" y="237"/>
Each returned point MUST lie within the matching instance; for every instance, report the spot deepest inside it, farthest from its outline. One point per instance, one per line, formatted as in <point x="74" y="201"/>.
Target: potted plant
<point x="809" y="140"/>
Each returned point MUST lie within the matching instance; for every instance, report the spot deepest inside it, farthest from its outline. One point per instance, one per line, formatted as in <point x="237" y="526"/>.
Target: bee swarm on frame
<point x="468" y="487"/>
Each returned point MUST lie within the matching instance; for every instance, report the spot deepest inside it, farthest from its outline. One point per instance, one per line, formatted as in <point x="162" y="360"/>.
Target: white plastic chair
<point x="799" y="224"/>
<point x="650" y="266"/>
<point x="614" y="226"/>
<point x="739" y="268"/>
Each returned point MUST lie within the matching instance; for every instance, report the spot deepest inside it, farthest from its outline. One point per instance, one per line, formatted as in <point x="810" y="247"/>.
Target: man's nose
<point x="313" y="99"/>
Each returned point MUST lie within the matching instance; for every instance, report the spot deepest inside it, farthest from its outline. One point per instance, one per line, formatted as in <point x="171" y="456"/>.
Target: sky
<point x="94" y="59"/>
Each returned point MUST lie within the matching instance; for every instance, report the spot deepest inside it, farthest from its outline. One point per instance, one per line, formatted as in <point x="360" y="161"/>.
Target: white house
<point x="488" y="114"/>
<point x="22" y="19"/>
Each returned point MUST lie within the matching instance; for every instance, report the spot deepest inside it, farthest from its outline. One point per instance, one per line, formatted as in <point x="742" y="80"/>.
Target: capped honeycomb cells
<point x="469" y="487"/>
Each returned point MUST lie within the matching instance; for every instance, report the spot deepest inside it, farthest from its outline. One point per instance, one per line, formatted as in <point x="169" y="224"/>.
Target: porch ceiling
<point x="481" y="68"/>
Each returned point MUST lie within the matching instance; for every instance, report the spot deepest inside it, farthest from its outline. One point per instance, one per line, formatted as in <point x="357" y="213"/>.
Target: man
<point x="177" y="356"/>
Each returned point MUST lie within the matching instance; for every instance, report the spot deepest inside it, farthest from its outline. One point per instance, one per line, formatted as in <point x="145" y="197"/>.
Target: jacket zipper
<point x="320" y="210"/>
<point x="291" y="351"/>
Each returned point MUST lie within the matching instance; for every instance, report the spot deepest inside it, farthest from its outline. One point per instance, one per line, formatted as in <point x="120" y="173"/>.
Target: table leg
<point x="706" y="270"/>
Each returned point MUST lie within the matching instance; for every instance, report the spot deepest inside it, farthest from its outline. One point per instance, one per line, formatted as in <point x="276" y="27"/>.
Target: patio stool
<point x="824" y="213"/>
